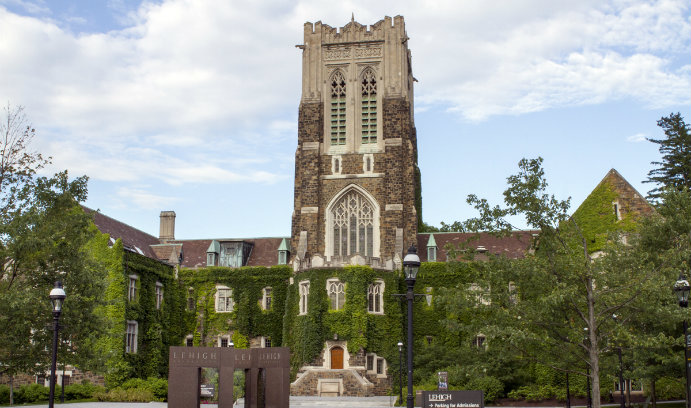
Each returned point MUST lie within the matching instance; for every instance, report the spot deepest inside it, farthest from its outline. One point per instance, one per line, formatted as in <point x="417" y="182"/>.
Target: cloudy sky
<point x="191" y="105"/>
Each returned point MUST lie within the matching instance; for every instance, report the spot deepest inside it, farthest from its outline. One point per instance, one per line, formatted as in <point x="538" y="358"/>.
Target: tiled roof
<point x="264" y="251"/>
<point x="514" y="246"/>
<point x="133" y="239"/>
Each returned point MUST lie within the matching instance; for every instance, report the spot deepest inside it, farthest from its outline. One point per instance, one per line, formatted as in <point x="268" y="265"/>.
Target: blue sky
<point x="192" y="106"/>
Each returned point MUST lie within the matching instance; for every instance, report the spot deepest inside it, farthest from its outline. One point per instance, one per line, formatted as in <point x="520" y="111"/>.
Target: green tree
<point x="43" y="234"/>
<point x="674" y="170"/>
<point x="547" y="307"/>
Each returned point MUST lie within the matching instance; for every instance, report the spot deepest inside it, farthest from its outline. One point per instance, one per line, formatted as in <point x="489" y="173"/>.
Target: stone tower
<point x="356" y="175"/>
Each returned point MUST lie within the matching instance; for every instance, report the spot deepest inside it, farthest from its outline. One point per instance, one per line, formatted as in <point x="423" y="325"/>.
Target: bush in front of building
<point x="669" y="388"/>
<point x="85" y="390"/>
<point x="121" y="395"/>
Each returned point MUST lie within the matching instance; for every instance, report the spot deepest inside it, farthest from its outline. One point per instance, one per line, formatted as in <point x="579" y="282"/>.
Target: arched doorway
<point x="337" y="358"/>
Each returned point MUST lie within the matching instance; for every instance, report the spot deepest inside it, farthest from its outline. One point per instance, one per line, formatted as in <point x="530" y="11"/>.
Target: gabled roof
<point x="630" y="200"/>
<point x="514" y="246"/>
<point x="133" y="239"/>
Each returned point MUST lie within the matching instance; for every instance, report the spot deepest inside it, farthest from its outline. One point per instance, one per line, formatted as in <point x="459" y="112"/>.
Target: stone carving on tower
<point x="356" y="174"/>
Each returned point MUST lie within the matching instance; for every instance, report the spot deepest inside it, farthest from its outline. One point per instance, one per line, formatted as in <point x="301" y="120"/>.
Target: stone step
<point x="354" y="402"/>
<point x="336" y="402"/>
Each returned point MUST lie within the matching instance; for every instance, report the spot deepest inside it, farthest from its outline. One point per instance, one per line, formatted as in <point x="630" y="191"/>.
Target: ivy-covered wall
<point x="247" y="319"/>
<point x="376" y="333"/>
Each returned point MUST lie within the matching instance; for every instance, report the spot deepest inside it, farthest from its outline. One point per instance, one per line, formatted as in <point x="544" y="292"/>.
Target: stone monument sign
<point x="267" y="375"/>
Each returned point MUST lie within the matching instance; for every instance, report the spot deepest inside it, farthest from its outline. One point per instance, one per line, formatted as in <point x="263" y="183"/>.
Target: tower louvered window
<point x="353" y="225"/>
<point x="368" y="107"/>
<point x="338" y="109"/>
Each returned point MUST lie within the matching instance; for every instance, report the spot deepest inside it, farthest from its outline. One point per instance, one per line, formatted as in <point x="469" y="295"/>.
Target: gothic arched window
<point x="336" y="291"/>
<point x="338" y="109"/>
<point x="368" y="107"/>
<point x="353" y="225"/>
<point x="375" y="297"/>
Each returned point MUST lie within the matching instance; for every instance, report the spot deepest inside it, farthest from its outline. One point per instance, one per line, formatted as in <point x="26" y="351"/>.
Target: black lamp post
<point x="57" y="297"/>
<point x="411" y="265"/>
<point x="400" y="372"/>
<point x="681" y="287"/>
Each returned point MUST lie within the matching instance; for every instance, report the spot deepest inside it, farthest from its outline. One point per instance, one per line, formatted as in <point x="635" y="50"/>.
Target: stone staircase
<point x="351" y="402"/>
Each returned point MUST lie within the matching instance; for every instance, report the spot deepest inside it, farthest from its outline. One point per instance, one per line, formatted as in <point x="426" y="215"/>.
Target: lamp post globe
<point x="411" y="264"/>
<point x="57" y="298"/>
<point x="681" y="288"/>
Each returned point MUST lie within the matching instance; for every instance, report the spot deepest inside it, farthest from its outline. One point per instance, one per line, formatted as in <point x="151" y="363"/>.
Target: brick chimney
<point x="167" y="230"/>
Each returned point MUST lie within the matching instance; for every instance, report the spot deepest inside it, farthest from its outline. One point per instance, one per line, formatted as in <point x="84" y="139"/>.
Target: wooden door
<point x="336" y="358"/>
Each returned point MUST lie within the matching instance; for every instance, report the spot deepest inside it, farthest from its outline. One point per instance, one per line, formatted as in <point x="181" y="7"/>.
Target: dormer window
<point x="212" y="253"/>
<point x="283" y="252"/>
<point x="431" y="249"/>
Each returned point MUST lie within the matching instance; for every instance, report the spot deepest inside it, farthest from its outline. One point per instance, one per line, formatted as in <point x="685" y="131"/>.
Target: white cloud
<point x="637" y="138"/>
<point x="195" y="92"/>
<point x="144" y="199"/>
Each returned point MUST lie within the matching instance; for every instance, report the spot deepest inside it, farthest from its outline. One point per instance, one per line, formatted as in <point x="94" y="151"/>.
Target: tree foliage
<point x="560" y="314"/>
<point x="674" y="171"/>
<point x="43" y="238"/>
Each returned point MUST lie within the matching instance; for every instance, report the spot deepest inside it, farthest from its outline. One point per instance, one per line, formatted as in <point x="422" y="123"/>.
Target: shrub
<point x="670" y="388"/>
<point x="121" y="395"/>
<point x="4" y="394"/>
<point x="81" y="391"/>
<point x="32" y="393"/>
<point x="159" y="387"/>
<point x="491" y="386"/>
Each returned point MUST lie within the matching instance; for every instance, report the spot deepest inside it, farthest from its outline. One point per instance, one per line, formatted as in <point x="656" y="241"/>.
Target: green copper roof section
<point x="284" y="245"/>
<point x="431" y="242"/>
<point x="214" y="247"/>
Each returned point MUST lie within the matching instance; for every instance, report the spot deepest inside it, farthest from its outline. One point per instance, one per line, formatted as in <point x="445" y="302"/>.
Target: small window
<point x="336" y="291"/>
<point x="617" y="212"/>
<point x="429" y="340"/>
<point x="428" y="295"/>
<point x="336" y="165"/>
<point x="223" y="341"/>
<point x="432" y="254"/>
<point x="513" y="296"/>
<point x="282" y="257"/>
<point x="132" y="288"/>
<point x="479" y="341"/>
<point x="304" y="294"/>
<point x="375" y="365"/>
<point x="370" y="362"/>
<point x="224" y="299"/>
<point x="189" y="341"/>
<point x="131" y="337"/>
<point x="380" y="366"/>
<point x="368" y="163"/>
<point x="267" y="297"/>
<point x="159" y="295"/>
<point x="210" y="259"/>
<point x="266" y="342"/>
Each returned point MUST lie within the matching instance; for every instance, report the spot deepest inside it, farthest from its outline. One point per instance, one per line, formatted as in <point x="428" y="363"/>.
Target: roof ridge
<point x="118" y="221"/>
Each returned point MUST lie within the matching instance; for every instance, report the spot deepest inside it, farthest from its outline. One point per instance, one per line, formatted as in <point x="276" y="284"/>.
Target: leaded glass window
<point x="304" y="293"/>
<point x="336" y="291"/>
<point x="374" y="298"/>
<point x="353" y="225"/>
<point x="368" y="107"/>
<point x="338" y="109"/>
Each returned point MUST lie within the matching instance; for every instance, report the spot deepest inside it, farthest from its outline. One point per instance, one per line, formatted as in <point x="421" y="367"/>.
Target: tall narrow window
<point x="353" y="225"/>
<point x="336" y="292"/>
<point x="132" y="288"/>
<point x="375" y="297"/>
<point x="304" y="293"/>
<point x="267" y="298"/>
<point x="368" y="107"/>
<point x="159" y="295"/>
<point x="131" y="337"/>
<point x="338" y="109"/>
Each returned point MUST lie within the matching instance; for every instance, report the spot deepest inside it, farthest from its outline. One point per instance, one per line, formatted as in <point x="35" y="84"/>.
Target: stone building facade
<point x="356" y="173"/>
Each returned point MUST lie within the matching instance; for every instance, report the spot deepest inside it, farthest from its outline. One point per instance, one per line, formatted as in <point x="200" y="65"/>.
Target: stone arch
<point x="352" y="224"/>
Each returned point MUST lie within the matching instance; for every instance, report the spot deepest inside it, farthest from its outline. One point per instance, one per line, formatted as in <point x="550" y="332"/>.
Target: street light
<point x="57" y="297"/>
<point x="681" y="287"/>
<point x="411" y="265"/>
<point x="400" y="372"/>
